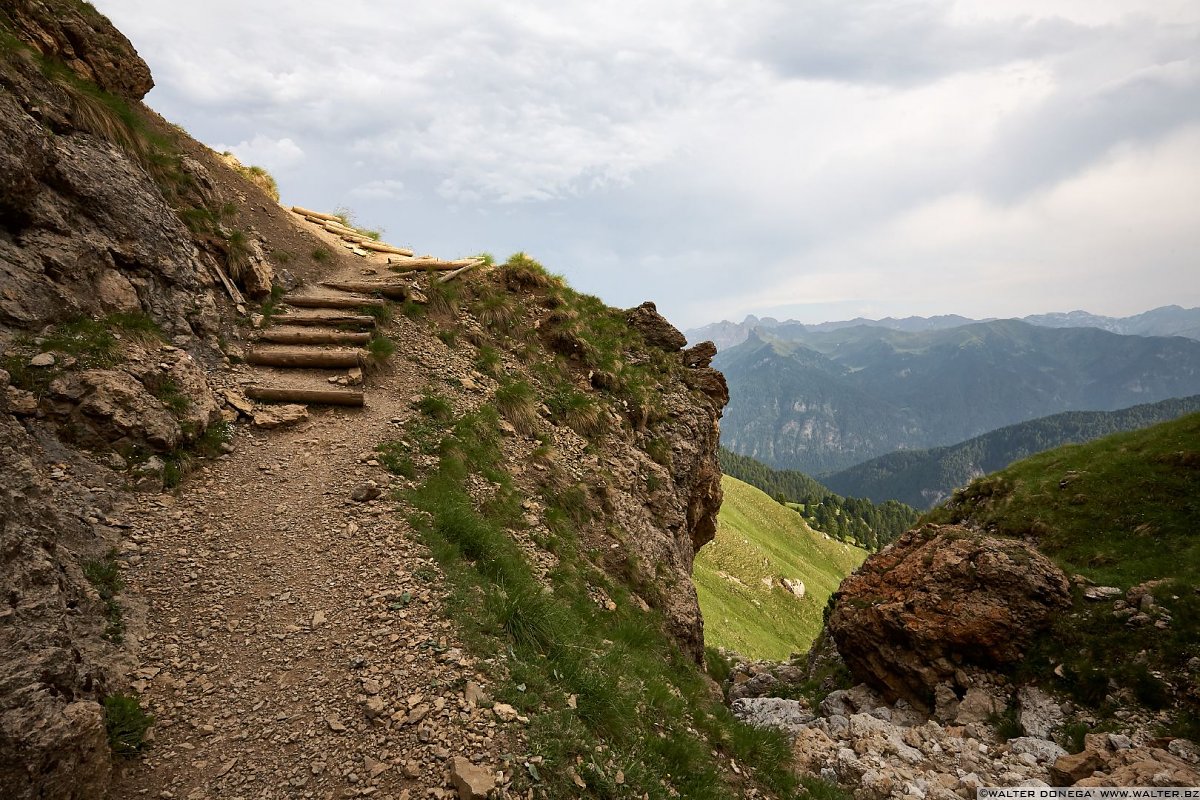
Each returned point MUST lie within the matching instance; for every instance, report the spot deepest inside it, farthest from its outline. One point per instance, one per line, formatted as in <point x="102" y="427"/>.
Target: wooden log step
<point x="326" y="320"/>
<point x="293" y="336"/>
<point x="326" y="397"/>
<point x="304" y="212"/>
<point x="428" y="263"/>
<point x="313" y="301"/>
<point x="396" y="291"/>
<point x="306" y="359"/>
<point x="383" y="247"/>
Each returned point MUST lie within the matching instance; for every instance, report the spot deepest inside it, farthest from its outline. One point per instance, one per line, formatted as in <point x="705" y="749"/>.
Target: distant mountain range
<point x="1164" y="321"/>
<point x="923" y="478"/>
<point x="822" y="400"/>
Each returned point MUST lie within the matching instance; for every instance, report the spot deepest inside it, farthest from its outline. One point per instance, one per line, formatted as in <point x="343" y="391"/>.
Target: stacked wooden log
<point x="353" y="239"/>
<point x="311" y="332"/>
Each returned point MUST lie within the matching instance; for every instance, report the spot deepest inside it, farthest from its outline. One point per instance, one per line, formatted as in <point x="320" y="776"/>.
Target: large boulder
<point x="942" y="598"/>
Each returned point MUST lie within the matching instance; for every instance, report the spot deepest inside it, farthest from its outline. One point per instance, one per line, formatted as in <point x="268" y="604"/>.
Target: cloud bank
<point x="816" y="160"/>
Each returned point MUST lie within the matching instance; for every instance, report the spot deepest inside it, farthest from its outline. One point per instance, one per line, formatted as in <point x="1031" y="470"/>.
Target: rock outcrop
<point x="55" y="667"/>
<point x="942" y="598"/>
<point x="84" y="40"/>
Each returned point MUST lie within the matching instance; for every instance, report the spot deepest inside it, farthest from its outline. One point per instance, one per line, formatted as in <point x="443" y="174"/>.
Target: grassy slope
<point x="1121" y="511"/>
<point x="758" y="538"/>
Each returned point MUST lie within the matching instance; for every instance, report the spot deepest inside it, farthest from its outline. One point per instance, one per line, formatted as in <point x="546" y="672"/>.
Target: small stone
<point x="375" y="707"/>
<point x="504" y="712"/>
<point x="318" y="618"/>
<point x="374" y="768"/>
<point x="42" y="360"/>
<point x="335" y="725"/>
<point x="472" y="782"/>
<point x="365" y="492"/>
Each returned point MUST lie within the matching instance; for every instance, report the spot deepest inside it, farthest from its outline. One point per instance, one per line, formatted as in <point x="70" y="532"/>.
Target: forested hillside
<point x="848" y="519"/>
<point x="923" y="478"/>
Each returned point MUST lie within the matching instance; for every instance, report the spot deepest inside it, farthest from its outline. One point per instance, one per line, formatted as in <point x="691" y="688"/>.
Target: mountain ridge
<point x="1169" y="320"/>
<point x="823" y="401"/>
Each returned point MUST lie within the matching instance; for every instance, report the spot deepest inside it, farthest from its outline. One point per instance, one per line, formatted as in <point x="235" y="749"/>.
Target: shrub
<point x="105" y="575"/>
<point x="126" y="724"/>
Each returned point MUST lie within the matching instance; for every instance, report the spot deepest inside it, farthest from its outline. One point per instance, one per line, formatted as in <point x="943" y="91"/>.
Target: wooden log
<point x="307" y="359"/>
<point x="428" y="263"/>
<point x="234" y="294"/>
<point x="266" y="394"/>
<point x="383" y="247"/>
<point x="334" y="302"/>
<point x="304" y="212"/>
<point x="293" y="336"/>
<point x="326" y="320"/>
<point x="449" y="276"/>
<point x="338" y="228"/>
<point x="358" y="251"/>
<point x="396" y="291"/>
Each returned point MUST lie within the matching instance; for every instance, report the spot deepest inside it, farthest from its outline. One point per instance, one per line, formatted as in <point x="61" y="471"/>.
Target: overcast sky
<point x="809" y="159"/>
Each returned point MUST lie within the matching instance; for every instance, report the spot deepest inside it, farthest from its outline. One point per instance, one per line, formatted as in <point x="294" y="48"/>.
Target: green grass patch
<point x="380" y="349"/>
<point x="487" y="360"/>
<point x="382" y="314"/>
<point x="126" y="724"/>
<point x="640" y="706"/>
<point x="758" y="539"/>
<point x="578" y="411"/>
<point x="516" y="402"/>
<point x="395" y="458"/>
<point x="435" y="406"/>
<point x="105" y="575"/>
<point x="321" y="255"/>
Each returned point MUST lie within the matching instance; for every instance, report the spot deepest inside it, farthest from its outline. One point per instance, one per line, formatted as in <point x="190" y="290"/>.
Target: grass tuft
<point x="105" y="575"/>
<point x="516" y="401"/>
<point x="126" y="724"/>
<point x="435" y="407"/>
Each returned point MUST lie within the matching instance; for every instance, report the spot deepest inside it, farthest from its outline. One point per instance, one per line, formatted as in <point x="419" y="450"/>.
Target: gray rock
<point x="772" y="712"/>
<point x="945" y="703"/>
<point x="1044" y="751"/>
<point x="365" y="492"/>
<point x="1038" y="713"/>
<point x="279" y="416"/>
<point x="977" y="705"/>
<point x="1101" y="592"/>
<point x="42" y="360"/>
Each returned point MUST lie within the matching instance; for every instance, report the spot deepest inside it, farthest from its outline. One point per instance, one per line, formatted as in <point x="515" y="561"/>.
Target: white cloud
<point x="712" y="155"/>
<point x="265" y="151"/>
<point x="382" y="189"/>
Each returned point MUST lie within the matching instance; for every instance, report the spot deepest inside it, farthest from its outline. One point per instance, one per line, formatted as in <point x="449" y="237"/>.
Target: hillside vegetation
<point x="923" y="478"/>
<point x="1121" y="511"/>
<point x="824" y="401"/>
<point x="854" y="520"/>
<point x="758" y="540"/>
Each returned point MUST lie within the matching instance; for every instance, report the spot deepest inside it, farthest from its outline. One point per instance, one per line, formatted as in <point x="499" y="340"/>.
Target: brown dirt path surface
<point x="293" y="644"/>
